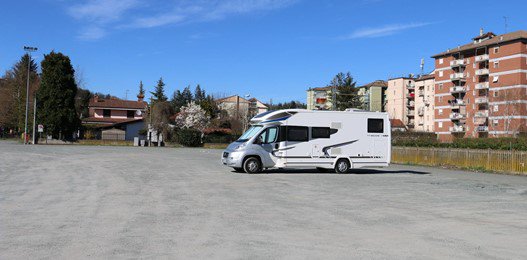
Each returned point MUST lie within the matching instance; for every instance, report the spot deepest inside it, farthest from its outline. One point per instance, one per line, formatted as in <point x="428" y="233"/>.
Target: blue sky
<point x="266" y="48"/>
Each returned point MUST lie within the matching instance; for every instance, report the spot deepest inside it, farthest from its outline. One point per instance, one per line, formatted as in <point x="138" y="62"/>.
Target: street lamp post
<point x="28" y="50"/>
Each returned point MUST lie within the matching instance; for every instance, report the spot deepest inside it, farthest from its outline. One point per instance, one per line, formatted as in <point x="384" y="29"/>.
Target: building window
<point x="375" y="125"/>
<point x="130" y="113"/>
<point x="441" y="61"/>
<point x="496" y="93"/>
<point x="320" y="132"/>
<point x="495" y="122"/>
<point x="440" y="124"/>
<point x="297" y="133"/>
<point x="440" y="99"/>
<point x="496" y="64"/>
<point x="106" y="112"/>
<point x="496" y="108"/>
<point x="440" y="86"/>
<point x="496" y="50"/>
<point x="440" y="111"/>
<point x="440" y="73"/>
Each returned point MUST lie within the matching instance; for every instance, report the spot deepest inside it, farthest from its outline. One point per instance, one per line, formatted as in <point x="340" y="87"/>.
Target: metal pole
<point x="34" y="117"/>
<point x="27" y="97"/>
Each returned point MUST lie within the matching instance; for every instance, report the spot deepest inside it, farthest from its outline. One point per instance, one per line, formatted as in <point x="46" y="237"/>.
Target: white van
<point x="326" y="140"/>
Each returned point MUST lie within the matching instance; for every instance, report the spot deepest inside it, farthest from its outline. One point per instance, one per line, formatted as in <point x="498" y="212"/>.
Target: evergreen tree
<point x="14" y="93"/>
<point x="347" y="94"/>
<point x="187" y="95"/>
<point x="159" y="94"/>
<point x="56" y="106"/>
<point x="141" y="89"/>
<point x="199" y="94"/>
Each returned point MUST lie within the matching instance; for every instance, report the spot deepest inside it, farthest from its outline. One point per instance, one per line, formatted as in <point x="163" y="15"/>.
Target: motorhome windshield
<point x="250" y="133"/>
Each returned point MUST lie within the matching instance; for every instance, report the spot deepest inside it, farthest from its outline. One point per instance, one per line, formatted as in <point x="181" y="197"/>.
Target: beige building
<point x="373" y="96"/>
<point x="319" y="98"/>
<point x="239" y="107"/>
<point x="424" y="103"/>
<point x="400" y="100"/>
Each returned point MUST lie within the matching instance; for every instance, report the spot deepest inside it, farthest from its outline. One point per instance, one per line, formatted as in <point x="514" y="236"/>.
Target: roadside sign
<point x="40" y="128"/>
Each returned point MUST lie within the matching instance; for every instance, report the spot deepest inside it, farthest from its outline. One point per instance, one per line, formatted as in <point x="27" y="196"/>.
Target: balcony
<point x="482" y="128"/>
<point x="421" y="122"/>
<point x="421" y="112"/>
<point x="411" y="113"/>
<point x="458" y="76"/>
<point x="483" y="85"/>
<point x="421" y="92"/>
<point x="411" y="95"/>
<point x="481" y="58"/>
<point x="481" y="100"/>
<point x="457" y="129"/>
<point x="458" y="89"/>
<point x="456" y="103"/>
<point x="457" y="116"/>
<point x="482" y="72"/>
<point x="410" y="86"/>
<point x="457" y="63"/>
<point x="410" y="104"/>
<point x="481" y="113"/>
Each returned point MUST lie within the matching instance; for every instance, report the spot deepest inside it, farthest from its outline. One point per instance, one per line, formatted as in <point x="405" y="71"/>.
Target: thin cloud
<point x="385" y="30"/>
<point x="103" y="16"/>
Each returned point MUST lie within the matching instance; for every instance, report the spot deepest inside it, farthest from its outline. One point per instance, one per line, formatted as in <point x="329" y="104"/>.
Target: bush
<point x="189" y="137"/>
<point x="413" y="139"/>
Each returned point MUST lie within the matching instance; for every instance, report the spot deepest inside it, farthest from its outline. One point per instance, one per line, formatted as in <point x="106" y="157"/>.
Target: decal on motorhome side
<point x="325" y="149"/>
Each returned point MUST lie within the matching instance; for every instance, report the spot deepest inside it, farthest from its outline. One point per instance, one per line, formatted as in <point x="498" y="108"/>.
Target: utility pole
<point x="506" y="24"/>
<point x="28" y="50"/>
<point x="34" y="117"/>
<point x="334" y="97"/>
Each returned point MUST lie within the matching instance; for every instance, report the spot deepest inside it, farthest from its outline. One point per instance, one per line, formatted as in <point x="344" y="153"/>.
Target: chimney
<point x="140" y="97"/>
<point x="96" y="98"/>
<point x="480" y="31"/>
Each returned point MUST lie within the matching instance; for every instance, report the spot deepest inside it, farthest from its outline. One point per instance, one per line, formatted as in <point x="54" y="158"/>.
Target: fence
<point x="491" y="160"/>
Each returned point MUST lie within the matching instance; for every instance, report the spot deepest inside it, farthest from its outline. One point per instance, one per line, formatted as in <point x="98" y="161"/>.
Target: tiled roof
<point x="377" y="83"/>
<point x="117" y="103"/>
<point x="425" y="77"/>
<point x="322" y="88"/>
<point x="232" y="99"/>
<point x="495" y="40"/>
<point x="397" y="123"/>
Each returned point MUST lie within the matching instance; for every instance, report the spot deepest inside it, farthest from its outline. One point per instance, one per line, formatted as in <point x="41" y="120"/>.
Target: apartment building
<point x="239" y="107"/>
<point x="400" y="100"/>
<point x="424" y="103"/>
<point x="372" y="96"/>
<point x="481" y="87"/>
<point x="319" y="98"/>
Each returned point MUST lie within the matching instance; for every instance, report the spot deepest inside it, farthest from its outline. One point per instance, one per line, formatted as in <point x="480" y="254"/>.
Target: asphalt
<point x="75" y="202"/>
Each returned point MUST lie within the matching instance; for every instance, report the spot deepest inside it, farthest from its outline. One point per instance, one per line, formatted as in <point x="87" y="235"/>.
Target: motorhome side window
<point x="375" y="125"/>
<point x="297" y="133"/>
<point x="320" y="132"/>
<point x="269" y="135"/>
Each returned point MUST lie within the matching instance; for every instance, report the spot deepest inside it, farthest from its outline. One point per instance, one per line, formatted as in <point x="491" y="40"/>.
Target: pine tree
<point x="141" y="89"/>
<point x="187" y="95"/>
<point x="159" y="94"/>
<point x="56" y="105"/>
<point x="199" y="94"/>
<point x="347" y="96"/>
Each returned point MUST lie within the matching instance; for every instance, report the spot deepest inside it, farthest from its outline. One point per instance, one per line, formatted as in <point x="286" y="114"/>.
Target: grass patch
<point x="215" y="146"/>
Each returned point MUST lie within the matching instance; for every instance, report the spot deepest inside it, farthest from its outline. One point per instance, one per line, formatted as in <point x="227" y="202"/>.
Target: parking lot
<point x="75" y="202"/>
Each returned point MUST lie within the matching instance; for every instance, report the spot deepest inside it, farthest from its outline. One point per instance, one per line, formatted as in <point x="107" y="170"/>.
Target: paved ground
<point x="123" y="202"/>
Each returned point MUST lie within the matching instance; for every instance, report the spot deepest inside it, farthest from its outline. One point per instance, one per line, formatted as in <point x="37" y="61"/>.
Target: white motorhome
<point x="326" y="140"/>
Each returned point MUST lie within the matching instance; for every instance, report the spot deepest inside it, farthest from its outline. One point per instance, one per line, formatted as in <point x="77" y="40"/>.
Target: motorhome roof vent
<point x="354" y="110"/>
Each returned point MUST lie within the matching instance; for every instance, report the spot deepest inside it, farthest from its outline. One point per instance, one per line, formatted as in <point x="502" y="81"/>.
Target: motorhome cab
<point x="296" y="138"/>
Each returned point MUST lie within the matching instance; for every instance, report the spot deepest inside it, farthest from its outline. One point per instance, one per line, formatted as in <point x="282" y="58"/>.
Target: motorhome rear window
<point x="320" y="132"/>
<point x="297" y="133"/>
<point x="375" y="125"/>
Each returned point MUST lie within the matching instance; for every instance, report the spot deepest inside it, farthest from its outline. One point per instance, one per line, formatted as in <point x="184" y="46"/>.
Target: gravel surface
<point x="74" y="202"/>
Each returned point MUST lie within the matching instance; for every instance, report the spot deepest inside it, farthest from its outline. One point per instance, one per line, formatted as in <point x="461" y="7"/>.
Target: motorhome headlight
<point x="241" y="146"/>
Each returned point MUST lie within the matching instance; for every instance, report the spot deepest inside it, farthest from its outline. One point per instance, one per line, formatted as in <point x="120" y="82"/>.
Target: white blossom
<point x="192" y="116"/>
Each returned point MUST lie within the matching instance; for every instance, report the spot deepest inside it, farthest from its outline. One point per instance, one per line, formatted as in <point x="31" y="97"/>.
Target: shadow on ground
<point x="354" y="171"/>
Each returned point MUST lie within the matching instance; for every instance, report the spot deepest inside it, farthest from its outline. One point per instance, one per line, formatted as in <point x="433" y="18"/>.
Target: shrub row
<point x="469" y="143"/>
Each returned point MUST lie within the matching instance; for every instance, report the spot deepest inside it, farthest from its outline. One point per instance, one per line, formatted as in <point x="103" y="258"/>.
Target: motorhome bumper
<point x="232" y="159"/>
